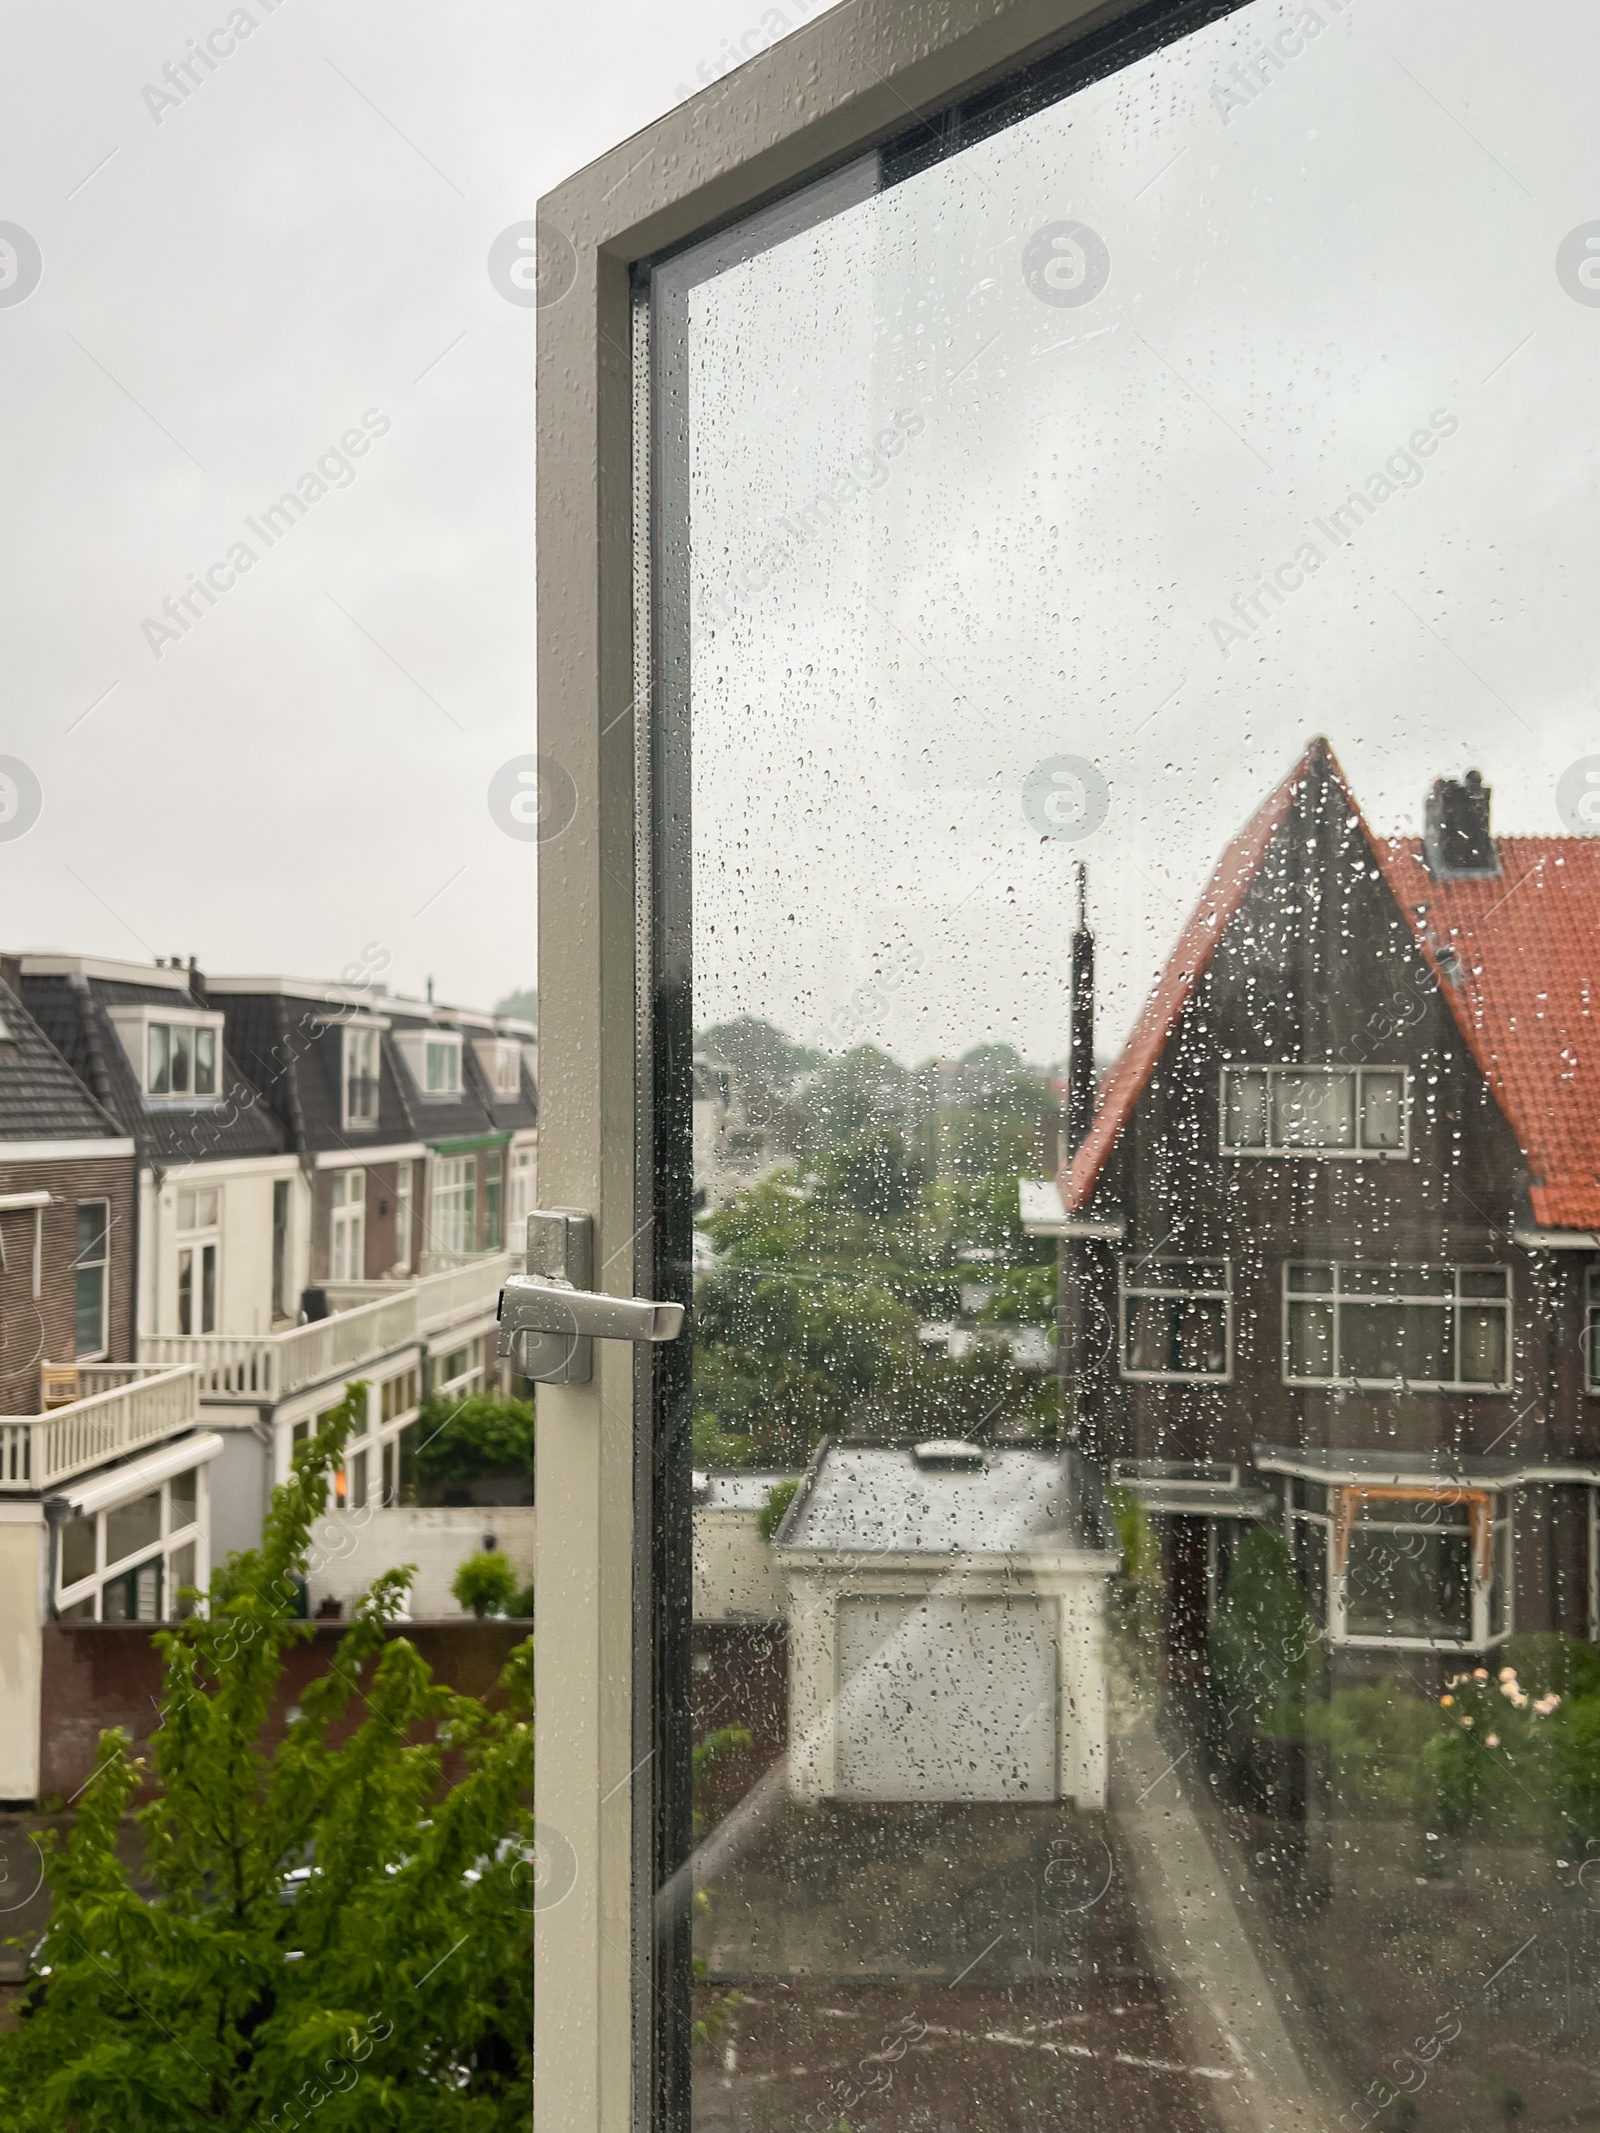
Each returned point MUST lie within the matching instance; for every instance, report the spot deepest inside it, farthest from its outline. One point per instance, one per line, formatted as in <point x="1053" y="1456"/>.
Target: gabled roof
<point x="1516" y="956"/>
<point x="1175" y="988"/>
<point x="41" y="1098"/>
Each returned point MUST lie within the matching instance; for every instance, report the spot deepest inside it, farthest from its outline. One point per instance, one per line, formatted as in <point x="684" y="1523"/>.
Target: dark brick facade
<point x="33" y="1332"/>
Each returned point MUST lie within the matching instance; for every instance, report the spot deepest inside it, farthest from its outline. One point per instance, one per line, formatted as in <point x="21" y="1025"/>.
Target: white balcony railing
<point x="369" y="1319"/>
<point x="39" y="1451"/>
<point x="270" y="1366"/>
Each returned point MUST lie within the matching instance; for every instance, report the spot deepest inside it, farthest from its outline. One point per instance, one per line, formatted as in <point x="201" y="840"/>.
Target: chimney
<point x="1080" y="1063"/>
<point x="1456" y="839"/>
<point x="197" y="981"/>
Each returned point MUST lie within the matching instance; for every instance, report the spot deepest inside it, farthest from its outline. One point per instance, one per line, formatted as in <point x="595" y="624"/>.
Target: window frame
<point x="1222" y="1295"/>
<point x="360" y="1043"/>
<point x="1338" y="1300"/>
<point x="611" y="2042"/>
<point x="347" y="1220"/>
<point x="1498" y="1592"/>
<point x="1279" y="1070"/>
<point x="170" y="1541"/>
<point x="100" y="1266"/>
<point x="136" y="1026"/>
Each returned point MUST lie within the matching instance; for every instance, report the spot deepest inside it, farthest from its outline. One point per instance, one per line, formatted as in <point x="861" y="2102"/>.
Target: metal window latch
<point x="550" y="1318"/>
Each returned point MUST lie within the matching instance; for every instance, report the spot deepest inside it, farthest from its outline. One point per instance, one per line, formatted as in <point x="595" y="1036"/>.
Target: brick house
<point x="1330" y="1241"/>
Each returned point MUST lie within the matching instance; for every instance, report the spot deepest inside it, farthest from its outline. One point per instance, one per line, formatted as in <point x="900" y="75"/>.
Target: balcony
<point x="37" y="1452"/>
<point x="369" y="1319"/>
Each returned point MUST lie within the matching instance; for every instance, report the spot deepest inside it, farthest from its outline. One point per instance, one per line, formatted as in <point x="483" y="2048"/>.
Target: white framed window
<point x="175" y="1052"/>
<point x="1177" y="1319"/>
<point x="130" y="1562"/>
<point x="442" y="1066"/>
<point x="402" y="1214"/>
<point x="1315" y="1110"/>
<point x="519" y="1199"/>
<point x="1424" y="1567"/>
<point x="454" y="1218"/>
<point x="347" y="1252"/>
<point x="501" y="1060"/>
<point x="1591" y="1333"/>
<point x="1427" y="1328"/>
<point x="199" y="1248"/>
<point x="360" y="1077"/>
<point x="91" y="1267"/>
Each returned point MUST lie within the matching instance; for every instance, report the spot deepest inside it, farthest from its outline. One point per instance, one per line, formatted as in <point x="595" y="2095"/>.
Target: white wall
<point x="244" y="1274"/>
<point x="736" y="1578"/>
<point x="351" y="1548"/>
<point x="22" y="1560"/>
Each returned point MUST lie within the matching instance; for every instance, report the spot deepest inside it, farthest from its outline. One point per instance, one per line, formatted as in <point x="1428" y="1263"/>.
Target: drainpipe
<point x="57" y="1510"/>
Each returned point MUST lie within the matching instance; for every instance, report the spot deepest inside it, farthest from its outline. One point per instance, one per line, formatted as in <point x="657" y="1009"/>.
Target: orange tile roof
<point x="1517" y="957"/>
<point x="1521" y="984"/>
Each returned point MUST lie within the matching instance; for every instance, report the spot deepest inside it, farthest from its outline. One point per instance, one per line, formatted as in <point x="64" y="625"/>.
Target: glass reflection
<point x="1145" y="892"/>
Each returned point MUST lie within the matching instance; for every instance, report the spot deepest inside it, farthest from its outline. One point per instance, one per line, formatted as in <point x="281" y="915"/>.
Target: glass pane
<point x="160" y="1058"/>
<point x="1313" y="1110"/>
<point x="1383" y="1110"/>
<point x="77" y="1550"/>
<point x="132" y="1526"/>
<point x="1384" y="1341"/>
<point x="182" y="1045"/>
<point x="1162" y="486"/>
<point x="89" y="1312"/>
<point x="1245" y="1113"/>
<point x="183" y="1491"/>
<point x="205" y="1062"/>
<point x="1409" y="1585"/>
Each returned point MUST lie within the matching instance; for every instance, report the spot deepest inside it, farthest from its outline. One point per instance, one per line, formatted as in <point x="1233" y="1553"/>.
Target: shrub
<point x="1262" y="1636"/>
<point x="485" y="1584"/>
<point x="779" y="1497"/>
<point x="460" y="1440"/>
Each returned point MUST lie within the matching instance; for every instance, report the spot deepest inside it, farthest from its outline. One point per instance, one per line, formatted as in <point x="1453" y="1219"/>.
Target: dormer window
<point x="433" y="1059"/>
<point x="501" y="1060"/>
<point x="178" y="1057"/>
<point x="360" y="1077"/>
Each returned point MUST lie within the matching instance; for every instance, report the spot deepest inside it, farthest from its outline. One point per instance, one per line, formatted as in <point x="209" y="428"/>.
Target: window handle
<point x="550" y="1318"/>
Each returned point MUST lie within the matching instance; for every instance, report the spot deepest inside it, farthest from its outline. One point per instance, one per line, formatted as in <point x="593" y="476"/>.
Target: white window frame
<point x="134" y="1026"/>
<point x="347" y="1226"/>
<point x="360" y="1071"/>
<point x="1486" y="1635"/>
<point x="423" y="1051"/>
<point x="1341" y="1300"/>
<point x="200" y="1235"/>
<point x="1130" y="1289"/>
<point x="403" y="1223"/>
<point x="828" y="92"/>
<point x="453" y="1206"/>
<point x="1275" y="1071"/>
<point x="170" y="1540"/>
<point x="103" y="1265"/>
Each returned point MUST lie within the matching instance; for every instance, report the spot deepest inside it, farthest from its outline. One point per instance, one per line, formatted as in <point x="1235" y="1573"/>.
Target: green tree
<point x="459" y="1440"/>
<point x="323" y="1932"/>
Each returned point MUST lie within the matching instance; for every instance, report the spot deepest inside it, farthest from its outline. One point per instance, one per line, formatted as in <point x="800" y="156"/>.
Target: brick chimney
<point x="1456" y="838"/>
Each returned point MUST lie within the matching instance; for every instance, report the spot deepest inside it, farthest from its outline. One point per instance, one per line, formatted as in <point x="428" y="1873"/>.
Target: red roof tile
<point x="1517" y="957"/>
<point x="1522" y="986"/>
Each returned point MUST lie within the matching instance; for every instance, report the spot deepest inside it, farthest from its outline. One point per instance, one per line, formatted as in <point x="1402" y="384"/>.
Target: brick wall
<point x="102" y="1674"/>
<point x="33" y="1331"/>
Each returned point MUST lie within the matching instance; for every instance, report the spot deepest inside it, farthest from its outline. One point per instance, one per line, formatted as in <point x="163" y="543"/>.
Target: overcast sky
<point x="229" y="282"/>
<point x="1300" y="280"/>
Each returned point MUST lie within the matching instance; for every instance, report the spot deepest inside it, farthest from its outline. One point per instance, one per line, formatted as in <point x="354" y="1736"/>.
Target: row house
<point x="220" y="1200"/>
<point x="104" y="1465"/>
<point x="1330" y="1227"/>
